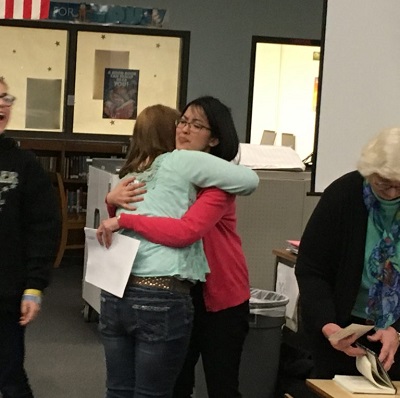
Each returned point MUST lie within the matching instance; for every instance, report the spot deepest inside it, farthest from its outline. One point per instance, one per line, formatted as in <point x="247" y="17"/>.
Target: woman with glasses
<point x="29" y="231"/>
<point x="348" y="266"/>
<point x="221" y="304"/>
<point x="146" y="333"/>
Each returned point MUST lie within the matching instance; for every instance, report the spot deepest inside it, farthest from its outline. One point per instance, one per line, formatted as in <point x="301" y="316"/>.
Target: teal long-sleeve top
<point x="171" y="183"/>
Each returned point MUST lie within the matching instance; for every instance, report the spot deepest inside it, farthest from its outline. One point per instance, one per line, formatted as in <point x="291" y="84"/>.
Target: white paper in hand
<point x="109" y="269"/>
<point x="354" y="328"/>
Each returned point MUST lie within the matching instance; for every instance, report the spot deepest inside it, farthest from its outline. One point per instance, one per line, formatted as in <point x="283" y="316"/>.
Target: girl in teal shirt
<point x="146" y="333"/>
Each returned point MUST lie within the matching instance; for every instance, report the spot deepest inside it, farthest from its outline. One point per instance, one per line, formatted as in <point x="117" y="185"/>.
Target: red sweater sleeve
<point x="207" y="210"/>
<point x="112" y="210"/>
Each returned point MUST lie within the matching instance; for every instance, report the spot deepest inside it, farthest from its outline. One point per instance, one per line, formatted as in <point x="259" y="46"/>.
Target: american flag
<point x="24" y="9"/>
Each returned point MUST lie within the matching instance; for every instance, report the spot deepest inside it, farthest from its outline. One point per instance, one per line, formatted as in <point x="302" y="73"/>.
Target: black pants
<point x="13" y="380"/>
<point x="218" y="337"/>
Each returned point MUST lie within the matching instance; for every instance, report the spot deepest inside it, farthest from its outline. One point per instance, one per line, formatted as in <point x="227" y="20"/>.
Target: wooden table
<point x="288" y="257"/>
<point x="330" y="389"/>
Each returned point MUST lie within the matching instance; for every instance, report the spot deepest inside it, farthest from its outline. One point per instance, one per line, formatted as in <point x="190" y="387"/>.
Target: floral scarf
<point x="383" y="305"/>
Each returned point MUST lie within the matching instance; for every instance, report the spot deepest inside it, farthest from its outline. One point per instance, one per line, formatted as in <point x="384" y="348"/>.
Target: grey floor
<point x="64" y="357"/>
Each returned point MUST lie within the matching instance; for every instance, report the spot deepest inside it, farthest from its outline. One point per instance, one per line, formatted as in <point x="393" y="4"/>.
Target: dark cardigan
<point x="331" y="255"/>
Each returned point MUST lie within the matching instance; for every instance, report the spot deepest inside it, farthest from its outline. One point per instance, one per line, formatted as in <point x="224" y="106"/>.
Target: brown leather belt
<point x="162" y="282"/>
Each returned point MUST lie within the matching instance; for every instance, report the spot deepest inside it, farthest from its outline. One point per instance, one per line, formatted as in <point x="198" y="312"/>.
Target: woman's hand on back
<point x="126" y="192"/>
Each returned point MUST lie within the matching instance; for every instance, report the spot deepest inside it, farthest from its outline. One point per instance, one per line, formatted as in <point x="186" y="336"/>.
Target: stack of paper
<point x="270" y="157"/>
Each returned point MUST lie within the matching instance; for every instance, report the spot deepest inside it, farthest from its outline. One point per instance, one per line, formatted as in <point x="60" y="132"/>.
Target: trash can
<point x="260" y="357"/>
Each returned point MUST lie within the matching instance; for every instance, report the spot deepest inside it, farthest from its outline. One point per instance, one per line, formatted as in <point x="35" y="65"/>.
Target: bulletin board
<point x="33" y="63"/>
<point x="142" y="71"/>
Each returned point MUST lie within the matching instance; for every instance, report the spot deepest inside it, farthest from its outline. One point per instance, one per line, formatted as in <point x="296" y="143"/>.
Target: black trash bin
<point x="260" y="358"/>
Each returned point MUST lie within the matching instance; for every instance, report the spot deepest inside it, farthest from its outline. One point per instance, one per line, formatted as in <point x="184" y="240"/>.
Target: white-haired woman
<point x="348" y="267"/>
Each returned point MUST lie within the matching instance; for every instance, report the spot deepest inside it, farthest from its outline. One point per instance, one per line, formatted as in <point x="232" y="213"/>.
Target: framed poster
<point x="151" y="65"/>
<point x="120" y="93"/>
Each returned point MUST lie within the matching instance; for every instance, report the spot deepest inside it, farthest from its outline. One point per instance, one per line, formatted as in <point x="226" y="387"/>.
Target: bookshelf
<point x="71" y="159"/>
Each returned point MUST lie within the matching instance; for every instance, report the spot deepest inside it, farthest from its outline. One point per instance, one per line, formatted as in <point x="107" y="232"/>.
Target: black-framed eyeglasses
<point x="8" y="99"/>
<point x="194" y="127"/>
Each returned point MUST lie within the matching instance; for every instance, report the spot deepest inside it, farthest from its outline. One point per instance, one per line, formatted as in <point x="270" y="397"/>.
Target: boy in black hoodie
<point x="29" y="232"/>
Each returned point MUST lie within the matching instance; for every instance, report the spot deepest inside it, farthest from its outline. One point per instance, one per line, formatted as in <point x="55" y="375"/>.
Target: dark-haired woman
<point x="146" y="333"/>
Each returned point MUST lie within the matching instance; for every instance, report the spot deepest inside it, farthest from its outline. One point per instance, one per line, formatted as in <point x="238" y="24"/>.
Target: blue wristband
<point x="32" y="297"/>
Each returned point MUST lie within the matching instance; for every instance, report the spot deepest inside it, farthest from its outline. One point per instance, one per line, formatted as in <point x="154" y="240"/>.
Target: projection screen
<point x="360" y="83"/>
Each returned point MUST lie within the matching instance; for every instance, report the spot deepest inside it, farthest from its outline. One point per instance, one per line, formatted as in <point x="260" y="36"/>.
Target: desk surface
<point x="286" y="254"/>
<point x="330" y="389"/>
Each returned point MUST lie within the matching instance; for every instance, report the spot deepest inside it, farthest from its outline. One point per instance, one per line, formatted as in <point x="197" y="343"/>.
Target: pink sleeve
<point x="111" y="210"/>
<point x="203" y="215"/>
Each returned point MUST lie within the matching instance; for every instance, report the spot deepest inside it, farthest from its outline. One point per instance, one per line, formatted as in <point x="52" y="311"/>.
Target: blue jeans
<point x="145" y="336"/>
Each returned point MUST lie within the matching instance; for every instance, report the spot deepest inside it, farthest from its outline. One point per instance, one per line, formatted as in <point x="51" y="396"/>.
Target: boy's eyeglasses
<point x="8" y="99"/>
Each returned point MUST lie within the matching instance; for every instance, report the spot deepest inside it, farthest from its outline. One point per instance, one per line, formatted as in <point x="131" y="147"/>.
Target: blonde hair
<point x="153" y="135"/>
<point x="381" y="155"/>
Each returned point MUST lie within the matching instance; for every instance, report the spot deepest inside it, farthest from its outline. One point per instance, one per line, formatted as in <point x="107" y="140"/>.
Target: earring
<point x="214" y="143"/>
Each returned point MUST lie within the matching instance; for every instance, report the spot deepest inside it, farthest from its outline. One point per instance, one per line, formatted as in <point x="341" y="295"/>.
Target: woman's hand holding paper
<point x="105" y="231"/>
<point x="344" y="341"/>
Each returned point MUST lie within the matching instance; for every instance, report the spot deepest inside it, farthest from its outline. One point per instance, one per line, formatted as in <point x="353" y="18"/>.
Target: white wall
<point x="284" y="92"/>
<point x="360" y="82"/>
<point x="266" y="90"/>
